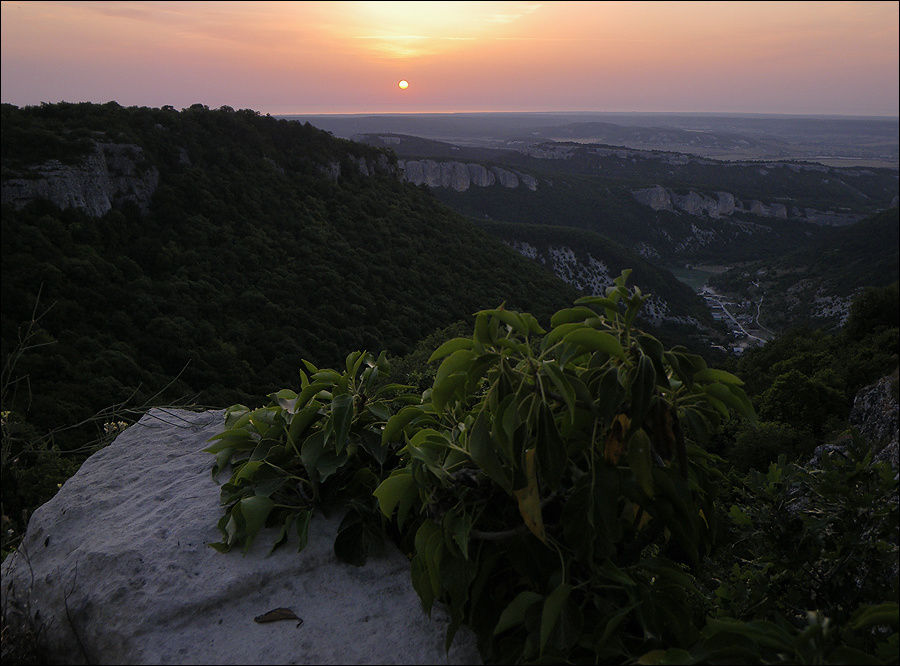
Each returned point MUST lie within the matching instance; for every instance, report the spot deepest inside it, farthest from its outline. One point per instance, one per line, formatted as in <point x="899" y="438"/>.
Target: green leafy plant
<point x="552" y="488"/>
<point x="314" y="449"/>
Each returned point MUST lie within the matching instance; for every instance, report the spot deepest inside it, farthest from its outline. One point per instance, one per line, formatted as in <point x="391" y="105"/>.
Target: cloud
<point x="508" y="17"/>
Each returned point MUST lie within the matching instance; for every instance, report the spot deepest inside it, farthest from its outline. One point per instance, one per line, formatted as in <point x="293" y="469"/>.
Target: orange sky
<point x="347" y="57"/>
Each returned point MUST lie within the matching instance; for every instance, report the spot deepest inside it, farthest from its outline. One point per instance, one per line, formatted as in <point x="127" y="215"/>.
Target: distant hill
<point x="668" y="207"/>
<point x="225" y="244"/>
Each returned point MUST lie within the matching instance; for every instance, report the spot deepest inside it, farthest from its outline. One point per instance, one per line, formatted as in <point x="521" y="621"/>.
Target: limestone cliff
<point x="726" y="204"/>
<point x="460" y="176"/>
<point x="112" y="174"/>
<point x="592" y="276"/>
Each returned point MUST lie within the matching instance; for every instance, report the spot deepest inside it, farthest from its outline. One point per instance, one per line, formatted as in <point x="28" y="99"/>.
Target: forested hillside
<point x="264" y="241"/>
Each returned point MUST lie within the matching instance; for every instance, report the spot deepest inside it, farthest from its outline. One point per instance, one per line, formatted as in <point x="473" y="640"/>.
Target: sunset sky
<point x="348" y="57"/>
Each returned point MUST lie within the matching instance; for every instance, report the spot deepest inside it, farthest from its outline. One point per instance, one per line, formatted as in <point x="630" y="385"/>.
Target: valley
<point x="741" y="221"/>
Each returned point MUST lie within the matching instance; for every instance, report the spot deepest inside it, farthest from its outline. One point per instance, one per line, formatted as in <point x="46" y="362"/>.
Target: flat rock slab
<point x="116" y="569"/>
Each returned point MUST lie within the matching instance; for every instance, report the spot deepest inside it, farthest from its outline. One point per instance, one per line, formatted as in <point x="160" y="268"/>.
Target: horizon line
<point x="583" y="112"/>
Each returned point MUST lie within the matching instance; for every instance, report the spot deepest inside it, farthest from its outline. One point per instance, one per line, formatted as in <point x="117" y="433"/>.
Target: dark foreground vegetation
<point x="559" y="492"/>
<point x="571" y="488"/>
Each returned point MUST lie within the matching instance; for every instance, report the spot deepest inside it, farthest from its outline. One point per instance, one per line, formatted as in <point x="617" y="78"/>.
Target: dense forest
<point x="267" y="243"/>
<point x="248" y="259"/>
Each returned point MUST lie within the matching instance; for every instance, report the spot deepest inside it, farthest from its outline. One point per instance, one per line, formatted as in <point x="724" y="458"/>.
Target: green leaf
<point x="429" y="544"/>
<point x="303" y="518"/>
<point x="329" y="463"/>
<point x="666" y="657"/>
<point x="248" y="470"/>
<point x="299" y="424"/>
<point x="482" y="450"/>
<point x="286" y="399"/>
<point x="283" y="535"/>
<point x="642" y="389"/>
<point x="760" y="632"/>
<point x="552" y="369"/>
<point x="450" y="375"/>
<point x="457" y="526"/>
<point x="483" y="333"/>
<point x="449" y="347"/>
<point x="740" y="403"/>
<point x="882" y="614"/>
<point x="572" y="315"/>
<point x="254" y="511"/>
<point x="594" y="340"/>
<point x="639" y="460"/>
<point x="239" y="440"/>
<point x="235" y="416"/>
<point x="551" y="450"/>
<point x="223" y="457"/>
<point x="342" y="413"/>
<point x="558" y="333"/>
<point x="510" y="318"/>
<point x="311" y="451"/>
<point x="398" y="422"/>
<point x="309" y="391"/>
<point x="739" y="518"/>
<point x="399" y="488"/>
<point x="553" y="607"/>
<point x="514" y="613"/>
<point x="602" y="301"/>
<point x="532" y="323"/>
<point x="714" y="375"/>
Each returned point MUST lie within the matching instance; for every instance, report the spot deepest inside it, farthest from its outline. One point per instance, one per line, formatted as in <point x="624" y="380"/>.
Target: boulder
<point x="116" y="568"/>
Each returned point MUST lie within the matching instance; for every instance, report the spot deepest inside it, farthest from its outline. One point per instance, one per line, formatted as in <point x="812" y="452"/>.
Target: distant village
<point x="741" y="319"/>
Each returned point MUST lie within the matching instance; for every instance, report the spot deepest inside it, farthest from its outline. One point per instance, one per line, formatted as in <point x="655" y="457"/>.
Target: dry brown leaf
<point x="277" y="615"/>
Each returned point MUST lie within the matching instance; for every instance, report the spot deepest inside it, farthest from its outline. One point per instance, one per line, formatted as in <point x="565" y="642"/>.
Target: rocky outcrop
<point x="114" y="173"/>
<point x="592" y="277"/>
<point x="875" y="415"/>
<point x="459" y="176"/>
<point x="116" y="568"/>
<point x="366" y="166"/>
<point x="725" y="204"/>
<point x="481" y="176"/>
<point x="506" y="178"/>
<point x="657" y="197"/>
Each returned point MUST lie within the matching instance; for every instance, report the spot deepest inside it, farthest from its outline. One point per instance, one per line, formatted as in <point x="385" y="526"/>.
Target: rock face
<point x="725" y="205"/>
<point x="875" y="414"/>
<point x="592" y="277"/>
<point x="111" y="175"/>
<point x="657" y="197"/>
<point x="116" y="569"/>
<point x="460" y="177"/>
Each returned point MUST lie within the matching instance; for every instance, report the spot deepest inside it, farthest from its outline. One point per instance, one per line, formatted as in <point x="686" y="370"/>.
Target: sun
<point x="403" y="85"/>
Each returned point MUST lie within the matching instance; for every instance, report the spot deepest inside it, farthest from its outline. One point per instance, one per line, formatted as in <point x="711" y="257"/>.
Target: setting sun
<point x="403" y="85"/>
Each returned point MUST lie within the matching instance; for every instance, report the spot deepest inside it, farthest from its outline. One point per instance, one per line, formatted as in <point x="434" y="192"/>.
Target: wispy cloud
<point x="509" y="17"/>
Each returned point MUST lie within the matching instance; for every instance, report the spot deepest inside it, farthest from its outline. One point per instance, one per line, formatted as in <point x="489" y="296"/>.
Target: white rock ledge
<point x="116" y="569"/>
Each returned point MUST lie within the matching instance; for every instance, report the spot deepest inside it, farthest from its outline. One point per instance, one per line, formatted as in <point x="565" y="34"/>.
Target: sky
<point x="348" y="57"/>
